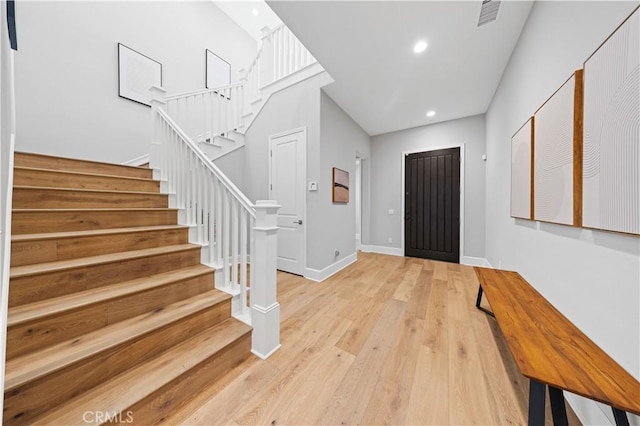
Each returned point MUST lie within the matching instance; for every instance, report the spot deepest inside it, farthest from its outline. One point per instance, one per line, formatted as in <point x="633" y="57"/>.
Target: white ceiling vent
<point x="488" y="11"/>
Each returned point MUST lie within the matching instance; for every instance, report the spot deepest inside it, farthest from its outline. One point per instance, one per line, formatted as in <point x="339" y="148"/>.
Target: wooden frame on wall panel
<point x="554" y="157"/>
<point x="522" y="172"/>
<point x="340" y="187"/>
<point x="611" y="178"/>
<point x="578" y="107"/>
<point x="532" y="183"/>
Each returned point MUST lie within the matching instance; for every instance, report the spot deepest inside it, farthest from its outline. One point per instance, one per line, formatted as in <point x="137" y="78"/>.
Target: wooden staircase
<point x="111" y="314"/>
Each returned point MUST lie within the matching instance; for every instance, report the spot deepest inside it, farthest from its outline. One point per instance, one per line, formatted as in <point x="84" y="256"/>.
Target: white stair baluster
<point x="234" y="241"/>
<point x="243" y="261"/>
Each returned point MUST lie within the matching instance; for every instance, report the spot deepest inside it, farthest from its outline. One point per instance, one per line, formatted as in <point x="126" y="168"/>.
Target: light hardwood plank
<point x="353" y="354"/>
<point x="50" y="162"/>
<point x="27" y="176"/>
<point x="30" y="221"/>
<point x="429" y="397"/>
<point x="33" y="197"/>
<point x="137" y="389"/>
<point x="28" y="249"/>
<point x="33" y="283"/>
<point x="352" y="396"/>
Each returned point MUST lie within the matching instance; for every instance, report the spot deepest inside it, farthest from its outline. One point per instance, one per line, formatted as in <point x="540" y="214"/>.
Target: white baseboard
<point x="323" y="274"/>
<point x="393" y="251"/>
<point x="474" y="261"/>
<point x="138" y="161"/>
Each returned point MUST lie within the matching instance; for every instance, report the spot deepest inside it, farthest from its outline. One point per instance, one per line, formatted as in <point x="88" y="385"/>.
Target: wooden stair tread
<point x="96" y="209"/>
<point x="52" y="162"/>
<point x="140" y="382"/>
<point x="79" y="173"/>
<point x="92" y="232"/>
<point x="33" y="311"/>
<point x="60" y="265"/>
<point x="83" y="190"/>
<point x="34" y="365"/>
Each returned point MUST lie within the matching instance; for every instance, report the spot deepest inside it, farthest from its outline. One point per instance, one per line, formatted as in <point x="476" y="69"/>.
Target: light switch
<point x="313" y="186"/>
<point x="391" y="211"/>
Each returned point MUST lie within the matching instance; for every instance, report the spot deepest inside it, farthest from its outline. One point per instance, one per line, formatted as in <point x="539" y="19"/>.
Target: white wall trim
<point x="284" y="83"/>
<point x="474" y="261"/>
<point x="298" y="76"/>
<point x="138" y="161"/>
<point x="462" y="194"/>
<point x="235" y="148"/>
<point x="323" y="274"/>
<point x="393" y="251"/>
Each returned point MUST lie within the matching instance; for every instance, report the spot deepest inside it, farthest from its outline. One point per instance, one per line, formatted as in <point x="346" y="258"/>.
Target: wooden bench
<point x="554" y="353"/>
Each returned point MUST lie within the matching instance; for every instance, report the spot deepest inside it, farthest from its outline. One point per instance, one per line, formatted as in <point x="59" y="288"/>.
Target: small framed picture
<point x="340" y="186"/>
<point x="217" y="71"/>
<point x="136" y="74"/>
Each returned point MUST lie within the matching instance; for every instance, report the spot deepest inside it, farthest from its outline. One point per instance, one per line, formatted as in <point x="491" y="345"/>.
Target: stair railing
<point x="7" y="142"/>
<point x="204" y="114"/>
<point x="289" y="54"/>
<point x="251" y="80"/>
<point x="239" y="238"/>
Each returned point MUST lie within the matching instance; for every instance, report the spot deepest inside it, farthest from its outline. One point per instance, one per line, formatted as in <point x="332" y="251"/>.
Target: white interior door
<point x="288" y="177"/>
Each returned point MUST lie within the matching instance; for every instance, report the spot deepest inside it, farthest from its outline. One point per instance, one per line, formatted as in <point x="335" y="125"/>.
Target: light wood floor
<point x="388" y="340"/>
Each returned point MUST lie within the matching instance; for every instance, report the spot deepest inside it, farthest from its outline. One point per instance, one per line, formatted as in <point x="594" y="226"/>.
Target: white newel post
<point x="158" y="95"/>
<point x="266" y="67"/>
<point x="265" y="309"/>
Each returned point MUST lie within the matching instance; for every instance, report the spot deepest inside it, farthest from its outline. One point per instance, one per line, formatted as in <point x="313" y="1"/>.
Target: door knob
<point x="299" y="221"/>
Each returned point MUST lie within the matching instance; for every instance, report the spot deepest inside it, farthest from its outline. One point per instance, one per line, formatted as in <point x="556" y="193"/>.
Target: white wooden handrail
<point x="200" y="92"/>
<point x="238" y="237"/>
<point x="209" y="165"/>
<point x="289" y="54"/>
<point x="205" y="114"/>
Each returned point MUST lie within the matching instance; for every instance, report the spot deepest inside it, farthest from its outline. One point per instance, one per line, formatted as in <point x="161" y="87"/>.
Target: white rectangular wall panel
<point x="611" y="159"/>
<point x="553" y="157"/>
<point x="521" y="172"/>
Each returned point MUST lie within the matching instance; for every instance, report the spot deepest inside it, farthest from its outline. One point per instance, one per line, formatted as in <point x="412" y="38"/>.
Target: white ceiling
<point x="241" y="11"/>
<point x="367" y="47"/>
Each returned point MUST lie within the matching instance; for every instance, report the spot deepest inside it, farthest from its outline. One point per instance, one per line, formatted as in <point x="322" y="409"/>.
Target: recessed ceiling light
<point x="431" y="113"/>
<point x="420" y="46"/>
<point x="255" y="12"/>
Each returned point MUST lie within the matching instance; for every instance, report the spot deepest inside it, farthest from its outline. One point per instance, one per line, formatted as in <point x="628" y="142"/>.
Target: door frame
<point x="358" y="200"/>
<point x="302" y="129"/>
<point x="404" y="155"/>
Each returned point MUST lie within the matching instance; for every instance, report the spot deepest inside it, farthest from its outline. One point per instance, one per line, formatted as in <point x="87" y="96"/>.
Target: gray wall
<point x="296" y="106"/>
<point x="332" y="226"/>
<point x="386" y="178"/>
<point x="333" y="139"/>
<point x="233" y="166"/>
<point x="67" y="69"/>
<point x="592" y="277"/>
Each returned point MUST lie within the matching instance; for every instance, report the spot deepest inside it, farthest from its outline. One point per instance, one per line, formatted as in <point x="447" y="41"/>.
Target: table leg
<point x="558" y="408"/>
<point x="536" y="403"/>
<point x="621" y="417"/>
<point x="479" y="299"/>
